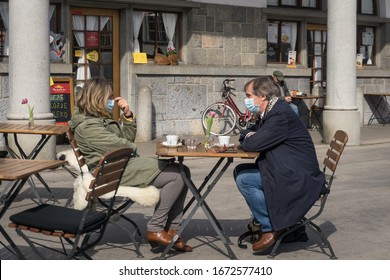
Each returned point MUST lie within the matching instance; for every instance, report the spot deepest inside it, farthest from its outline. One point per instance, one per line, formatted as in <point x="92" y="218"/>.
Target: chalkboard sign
<point x="61" y="100"/>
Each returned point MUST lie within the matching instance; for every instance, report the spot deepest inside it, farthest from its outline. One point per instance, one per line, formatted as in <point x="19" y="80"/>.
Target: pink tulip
<point x="24" y="101"/>
<point x="212" y="114"/>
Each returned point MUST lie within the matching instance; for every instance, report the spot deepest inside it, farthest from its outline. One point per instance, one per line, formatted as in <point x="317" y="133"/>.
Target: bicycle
<point x="227" y="114"/>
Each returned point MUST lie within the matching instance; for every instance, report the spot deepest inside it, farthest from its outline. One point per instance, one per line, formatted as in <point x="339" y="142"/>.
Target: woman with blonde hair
<point x="97" y="133"/>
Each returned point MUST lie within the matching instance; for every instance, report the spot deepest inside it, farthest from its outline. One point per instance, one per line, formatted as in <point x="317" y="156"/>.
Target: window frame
<point x="282" y="49"/>
<point x="160" y="45"/>
<point x="297" y="5"/>
<point x="312" y="54"/>
<point x="374" y="8"/>
<point x="359" y="43"/>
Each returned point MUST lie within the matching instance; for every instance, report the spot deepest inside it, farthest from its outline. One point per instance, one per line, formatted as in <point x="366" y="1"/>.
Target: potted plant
<point x="172" y="57"/>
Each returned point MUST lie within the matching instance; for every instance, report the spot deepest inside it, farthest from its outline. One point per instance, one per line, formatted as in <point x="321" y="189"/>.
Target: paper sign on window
<point x="92" y="39"/>
<point x="367" y="39"/>
<point x="78" y="53"/>
<point x="93" y="56"/>
<point x="272" y="33"/>
<point x="140" y="57"/>
<point x="291" y="59"/>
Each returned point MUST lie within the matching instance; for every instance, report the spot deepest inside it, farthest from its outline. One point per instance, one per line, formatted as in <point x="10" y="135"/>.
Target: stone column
<point x="341" y="110"/>
<point x="29" y="67"/>
<point x="144" y="115"/>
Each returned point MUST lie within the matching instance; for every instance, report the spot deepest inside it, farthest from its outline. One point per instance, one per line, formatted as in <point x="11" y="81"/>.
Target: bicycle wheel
<point x="224" y="121"/>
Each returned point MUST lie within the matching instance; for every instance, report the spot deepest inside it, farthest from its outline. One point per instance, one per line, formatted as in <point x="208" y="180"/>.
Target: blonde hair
<point x="92" y="98"/>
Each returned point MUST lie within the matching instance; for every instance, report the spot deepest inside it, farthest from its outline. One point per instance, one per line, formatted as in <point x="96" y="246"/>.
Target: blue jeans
<point x="294" y="108"/>
<point x="248" y="180"/>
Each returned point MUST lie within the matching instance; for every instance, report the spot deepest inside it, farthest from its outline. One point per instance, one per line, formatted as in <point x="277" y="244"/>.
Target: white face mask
<point x="250" y="105"/>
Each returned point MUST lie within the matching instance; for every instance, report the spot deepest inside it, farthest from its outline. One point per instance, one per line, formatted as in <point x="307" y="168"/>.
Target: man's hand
<point x="288" y="99"/>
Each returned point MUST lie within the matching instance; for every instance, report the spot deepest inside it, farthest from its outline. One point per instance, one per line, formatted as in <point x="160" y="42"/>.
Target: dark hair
<point x="263" y="86"/>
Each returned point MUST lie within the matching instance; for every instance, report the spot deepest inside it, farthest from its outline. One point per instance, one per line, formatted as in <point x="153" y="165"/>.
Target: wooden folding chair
<point x="81" y="229"/>
<point x="331" y="161"/>
<point x="122" y="204"/>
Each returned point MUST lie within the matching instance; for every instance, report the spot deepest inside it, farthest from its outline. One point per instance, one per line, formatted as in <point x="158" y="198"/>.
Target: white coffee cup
<point x="224" y="140"/>
<point x="172" y="139"/>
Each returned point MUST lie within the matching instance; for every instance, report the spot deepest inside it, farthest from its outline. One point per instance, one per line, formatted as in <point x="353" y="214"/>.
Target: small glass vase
<point x="208" y="142"/>
<point x="30" y="122"/>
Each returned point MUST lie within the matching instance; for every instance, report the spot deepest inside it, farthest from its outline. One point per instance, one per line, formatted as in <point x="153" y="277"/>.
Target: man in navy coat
<point x="285" y="181"/>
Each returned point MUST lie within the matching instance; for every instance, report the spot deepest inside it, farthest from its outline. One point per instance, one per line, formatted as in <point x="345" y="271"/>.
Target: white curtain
<point x="289" y="2"/>
<point x="138" y="17"/>
<point x="272" y="2"/>
<point x="170" y="25"/>
<point x="369" y="53"/>
<point x="367" y="7"/>
<point x="293" y="35"/>
<point x="103" y="22"/>
<point x="51" y="11"/>
<point x="4" y="12"/>
<point x="369" y="47"/>
<point x="309" y="3"/>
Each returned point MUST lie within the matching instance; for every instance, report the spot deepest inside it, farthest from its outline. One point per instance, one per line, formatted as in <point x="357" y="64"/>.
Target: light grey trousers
<point x="173" y="191"/>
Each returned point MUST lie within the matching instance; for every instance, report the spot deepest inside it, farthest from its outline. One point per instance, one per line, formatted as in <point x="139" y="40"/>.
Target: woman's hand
<point x="123" y="105"/>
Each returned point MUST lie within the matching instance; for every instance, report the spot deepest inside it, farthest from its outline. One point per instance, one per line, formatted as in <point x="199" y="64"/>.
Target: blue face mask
<point x="250" y="105"/>
<point x="110" y="104"/>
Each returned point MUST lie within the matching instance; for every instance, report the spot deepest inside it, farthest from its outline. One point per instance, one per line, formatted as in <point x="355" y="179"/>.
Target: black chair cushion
<point x="57" y="218"/>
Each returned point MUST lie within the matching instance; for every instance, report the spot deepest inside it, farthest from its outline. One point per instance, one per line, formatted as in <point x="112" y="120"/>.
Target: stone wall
<point x="4" y="97"/>
<point x="226" y="35"/>
<point x="179" y="101"/>
<point x="373" y="85"/>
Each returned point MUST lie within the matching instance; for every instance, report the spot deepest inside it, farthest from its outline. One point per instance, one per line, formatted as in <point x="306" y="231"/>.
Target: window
<point x="155" y="29"/>
<point x="314" y="4"/>
<point x="159" y="30"/>
<point x="366" y="44"/>
<point x="3" y="32"/>
<point x="316" y="54"/>
<point x="55" y="26"/>
<point x="4" y="21"/>
<point x="282" y="37"/>
<point x="55" y="20"/>
<point x="366" y="7"/>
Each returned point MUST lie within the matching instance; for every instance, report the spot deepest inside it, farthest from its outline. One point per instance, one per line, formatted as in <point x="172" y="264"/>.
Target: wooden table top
<point x="49" y="129"/>
<point x="15" y="169"/>
<point x="201" y="152"/>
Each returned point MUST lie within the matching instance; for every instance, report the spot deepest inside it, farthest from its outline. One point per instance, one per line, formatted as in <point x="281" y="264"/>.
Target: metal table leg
<point x="201" y="202"/>
<point x="6" y="201"/>
<point x="378" y="113"/>
<point x="33" y="154"/>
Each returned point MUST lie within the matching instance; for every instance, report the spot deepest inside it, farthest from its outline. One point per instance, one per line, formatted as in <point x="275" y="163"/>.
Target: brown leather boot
<point x="160" y="237"/>
<point x="179" y="244"/>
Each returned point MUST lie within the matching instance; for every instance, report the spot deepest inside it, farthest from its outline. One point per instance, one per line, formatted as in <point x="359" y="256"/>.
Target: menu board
<point x="62" y="100"/>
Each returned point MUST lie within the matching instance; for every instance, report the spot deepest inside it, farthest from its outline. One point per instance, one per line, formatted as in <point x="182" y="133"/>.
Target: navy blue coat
<point x="288" y="164"/>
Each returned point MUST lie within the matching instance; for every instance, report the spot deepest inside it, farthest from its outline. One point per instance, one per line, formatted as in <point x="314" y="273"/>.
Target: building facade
<point x="212" y="39"/>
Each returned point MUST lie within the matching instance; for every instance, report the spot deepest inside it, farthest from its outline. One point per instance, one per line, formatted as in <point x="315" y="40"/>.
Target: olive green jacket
<point x="96" y="136"/>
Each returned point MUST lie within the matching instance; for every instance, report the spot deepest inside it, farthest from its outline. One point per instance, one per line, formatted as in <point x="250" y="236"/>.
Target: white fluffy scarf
<point x="147" y="196"/>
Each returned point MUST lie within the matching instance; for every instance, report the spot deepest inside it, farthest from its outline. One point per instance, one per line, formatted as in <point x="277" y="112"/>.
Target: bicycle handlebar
<point x="227" y="88"/>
